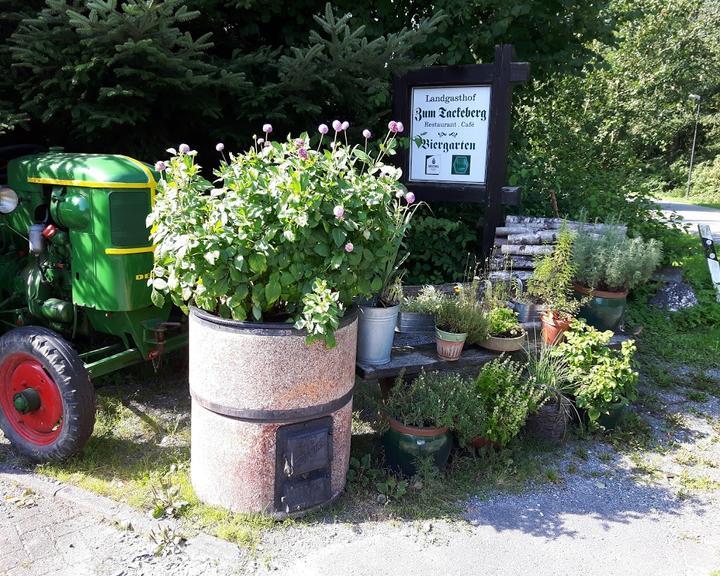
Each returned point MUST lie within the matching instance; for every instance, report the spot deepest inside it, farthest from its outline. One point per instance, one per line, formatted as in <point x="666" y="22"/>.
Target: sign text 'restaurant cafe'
<point x="449" y="134"/>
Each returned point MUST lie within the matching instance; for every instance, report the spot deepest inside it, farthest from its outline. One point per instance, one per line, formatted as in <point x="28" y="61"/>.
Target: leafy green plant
<point x="288" y="232"/>
<point x="609" y="260"/>
<point x="391" y="489"/>
<point x="463" y="313"/>
<point x="506" y="396"/>
<point x="552" y="278"/>
<point x="166" y="500"/>
<point x="362" y="475"/>
<point x="602" y="378"/>
<point x="503" y="323"/>
<point x="550" y="375"/>
<point x="428" y="401"/>
<point x="427" y="301"/>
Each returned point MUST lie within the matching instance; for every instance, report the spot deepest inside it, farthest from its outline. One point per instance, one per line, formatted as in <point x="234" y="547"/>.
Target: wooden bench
<point x="415" y="352"/>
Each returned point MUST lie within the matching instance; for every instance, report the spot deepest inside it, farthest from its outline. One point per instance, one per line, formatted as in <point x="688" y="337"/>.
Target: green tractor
<point x="75" y="258"/>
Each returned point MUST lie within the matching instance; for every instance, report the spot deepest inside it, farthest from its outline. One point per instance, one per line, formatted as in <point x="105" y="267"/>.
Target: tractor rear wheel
<point x="47" y="403"/>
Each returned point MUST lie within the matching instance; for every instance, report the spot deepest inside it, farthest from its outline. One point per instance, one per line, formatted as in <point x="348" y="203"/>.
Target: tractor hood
<point x="83" y="170"/>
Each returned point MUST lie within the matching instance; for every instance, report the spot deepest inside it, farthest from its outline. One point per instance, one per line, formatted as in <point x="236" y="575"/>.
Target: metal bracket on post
<point x="708" y="243"/>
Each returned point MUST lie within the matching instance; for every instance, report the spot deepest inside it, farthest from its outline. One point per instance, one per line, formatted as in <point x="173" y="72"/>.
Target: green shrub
<point x="503" y="322"/>
<point x="609" y="260"/>
<point x="431" y="400"/>
<point x="602" y="378"/>
<point x="551" y="281"/>
<point x="287" y="231"/>
<point x="506" y="395"/>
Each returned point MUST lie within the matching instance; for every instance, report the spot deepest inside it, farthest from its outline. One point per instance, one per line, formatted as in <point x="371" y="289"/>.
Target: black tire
<point x="65" y="368"/>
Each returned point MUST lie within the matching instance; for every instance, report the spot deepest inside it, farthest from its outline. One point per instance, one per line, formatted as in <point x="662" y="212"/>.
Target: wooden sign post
<point x="458" y="119"/>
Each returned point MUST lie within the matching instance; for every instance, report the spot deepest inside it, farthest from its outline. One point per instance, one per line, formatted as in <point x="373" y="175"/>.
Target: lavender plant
<point x="287" y="232"/>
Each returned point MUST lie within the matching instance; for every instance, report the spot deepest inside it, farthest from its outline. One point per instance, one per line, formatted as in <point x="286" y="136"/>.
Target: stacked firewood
<point x="525" y="238"/>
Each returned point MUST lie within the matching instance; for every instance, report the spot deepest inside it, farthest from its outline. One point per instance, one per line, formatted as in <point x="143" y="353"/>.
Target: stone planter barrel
<point x="271" y="415"/>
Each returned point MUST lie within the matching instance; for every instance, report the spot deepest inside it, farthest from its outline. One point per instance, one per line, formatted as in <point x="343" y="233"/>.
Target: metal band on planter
<point x="274" y="416"/>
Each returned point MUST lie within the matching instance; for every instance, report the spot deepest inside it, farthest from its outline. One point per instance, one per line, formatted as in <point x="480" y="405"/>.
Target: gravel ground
<point x="644" y="502"/>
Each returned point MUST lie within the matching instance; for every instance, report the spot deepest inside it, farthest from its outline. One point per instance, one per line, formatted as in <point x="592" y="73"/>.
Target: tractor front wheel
<point x="47" y="403"/>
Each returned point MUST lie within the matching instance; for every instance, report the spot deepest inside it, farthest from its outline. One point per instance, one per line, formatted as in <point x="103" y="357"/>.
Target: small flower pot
<point x="376" y="332"/>
<point x="405" y="445"/>
<point x="415" y="323"/>
<point x="500" y="344"/>
<point x="554" y="327"/>
<point x="604" y="310"/>
<point x="449" y="344"/>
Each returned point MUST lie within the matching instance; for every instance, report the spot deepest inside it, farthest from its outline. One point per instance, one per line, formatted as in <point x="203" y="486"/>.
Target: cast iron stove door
<point x="302" y="465"/>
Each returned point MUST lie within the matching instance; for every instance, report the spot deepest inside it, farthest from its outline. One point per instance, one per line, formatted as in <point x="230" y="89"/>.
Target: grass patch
<point x="697" y="396"/>
<point x="699" y="483"/>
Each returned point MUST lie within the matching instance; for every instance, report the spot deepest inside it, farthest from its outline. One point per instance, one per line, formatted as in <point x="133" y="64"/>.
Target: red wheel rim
<point x="43" y="425"/>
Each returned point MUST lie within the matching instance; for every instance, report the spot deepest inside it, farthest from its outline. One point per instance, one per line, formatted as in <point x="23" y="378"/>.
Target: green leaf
<point x="272" y="291"/>
<point x="376" y="284"/>
<point x="159" y="284"/>
<point x="339" y="236"/>
<point x="157" y="298"/>
<point x="257" y="262"/>
<point x="322" y="249"/>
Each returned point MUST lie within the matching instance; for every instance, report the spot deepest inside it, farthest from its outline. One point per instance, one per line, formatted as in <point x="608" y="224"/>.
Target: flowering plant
<point x="289" y="232"/>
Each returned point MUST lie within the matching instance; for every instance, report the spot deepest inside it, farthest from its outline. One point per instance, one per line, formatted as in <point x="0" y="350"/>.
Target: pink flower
<point x="392" y="126"/>
<point x="219" y="146"/>
<point x="183" y="148"/>
<point x="400" y="127"/>
<point x="303" y="153"/>
<point x="339" y="211"/>
<point x="261" y="140"/>
<point x="299" y="142"/>
<point x="267" y="128"/>
<point x="410" y="197"/>
<point x="349" y="247"/>
<point x="345" y="125"/>
<point x="160" y="166"/>
<point x="367" y="134"/>
<point x="337" y="125"/>
<point x="323" y="129"/>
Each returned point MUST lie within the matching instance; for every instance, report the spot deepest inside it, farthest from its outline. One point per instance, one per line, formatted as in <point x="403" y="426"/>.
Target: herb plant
<point x="463" y="313"/>
<point x="552" y="278"/>
<point x="287" y="231"/>
<point x="611" y="261"/>
<point x="427" y="301"/>
<point x="506" y="396"/>
<point x="431" y="400"/>
<point x="602" y="378"/>
<point x="503" y="323"/>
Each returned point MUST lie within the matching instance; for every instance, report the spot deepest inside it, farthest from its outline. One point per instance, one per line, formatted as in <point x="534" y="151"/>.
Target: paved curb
<point x="200" y="547"/>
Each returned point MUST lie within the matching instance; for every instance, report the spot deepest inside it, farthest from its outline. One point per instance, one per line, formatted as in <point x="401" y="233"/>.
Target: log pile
<point x="525" y="238"/>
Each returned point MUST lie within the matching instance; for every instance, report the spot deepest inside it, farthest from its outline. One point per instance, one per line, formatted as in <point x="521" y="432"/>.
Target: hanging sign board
<point x="449" y="128"/>
<point x="458" y="119"/>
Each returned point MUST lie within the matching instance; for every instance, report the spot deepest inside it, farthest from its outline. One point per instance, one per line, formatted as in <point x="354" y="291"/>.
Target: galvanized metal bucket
<point x="376" y="331"/>
<point x="528" y="312"/>
<point x="415" y="323"/>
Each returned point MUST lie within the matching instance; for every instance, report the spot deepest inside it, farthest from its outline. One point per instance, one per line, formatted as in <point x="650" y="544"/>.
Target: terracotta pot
<point x="554" y="327"/>
<point x="500" y="344"/>
<point x="484" y="443"/>
<point x="449" y="344"/>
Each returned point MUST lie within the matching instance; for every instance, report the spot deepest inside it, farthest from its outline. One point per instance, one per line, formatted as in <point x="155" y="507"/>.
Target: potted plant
<point x="378" y="315"/>
<point x="505" y="396"/>
<point x="268" y="260"/>
<point x="505" y="333"/>
<point x="459" y="319"/>
<point x="603" y="379"/>
<point x="551" y="282"/>
<point x="419" y="415"/>
<point x="607" y="265"/>
<point x="551" y="406"/>
<point x="417" y="313"/>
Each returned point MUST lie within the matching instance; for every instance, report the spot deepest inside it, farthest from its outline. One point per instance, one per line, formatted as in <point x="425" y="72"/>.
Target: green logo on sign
<point x="460" y="165"/>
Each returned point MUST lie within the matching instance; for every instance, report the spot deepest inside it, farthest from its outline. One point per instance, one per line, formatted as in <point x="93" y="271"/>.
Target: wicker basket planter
<point x="550" y="422"/>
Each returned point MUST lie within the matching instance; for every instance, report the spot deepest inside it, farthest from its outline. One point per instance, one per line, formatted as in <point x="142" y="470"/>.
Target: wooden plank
<point x="512" y="262"/>
<point x="540" y="237"/>
<point x="708" y="243"/>
<point x="527" y="249"/>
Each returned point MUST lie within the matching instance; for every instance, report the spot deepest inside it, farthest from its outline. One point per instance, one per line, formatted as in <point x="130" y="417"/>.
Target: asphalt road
<point x="693" y="215"/>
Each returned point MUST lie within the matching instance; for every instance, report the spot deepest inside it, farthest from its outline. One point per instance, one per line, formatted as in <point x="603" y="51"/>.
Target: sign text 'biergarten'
<point x="449" y="134"/>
